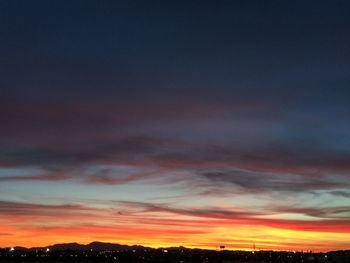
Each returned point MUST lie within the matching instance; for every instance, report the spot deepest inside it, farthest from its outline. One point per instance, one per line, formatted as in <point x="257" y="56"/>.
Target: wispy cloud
<point x="35" y="178"/>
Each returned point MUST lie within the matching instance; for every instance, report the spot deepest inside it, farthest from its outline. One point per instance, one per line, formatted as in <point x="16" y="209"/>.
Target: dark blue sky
<point x="269" y="50"/>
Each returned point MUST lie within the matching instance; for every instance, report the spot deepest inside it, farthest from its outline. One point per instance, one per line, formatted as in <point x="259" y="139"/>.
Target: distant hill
<point x="20" y="248"/>
<point x="96" y="246"/>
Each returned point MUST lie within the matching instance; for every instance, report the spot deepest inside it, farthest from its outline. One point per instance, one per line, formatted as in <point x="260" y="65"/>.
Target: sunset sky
<point x="168" y="123"/>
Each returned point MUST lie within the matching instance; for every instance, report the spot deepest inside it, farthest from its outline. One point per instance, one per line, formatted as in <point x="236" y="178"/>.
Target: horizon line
<point x="217" y="248"/>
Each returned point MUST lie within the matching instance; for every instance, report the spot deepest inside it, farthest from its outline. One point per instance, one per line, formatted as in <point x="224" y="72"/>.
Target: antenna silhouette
<point x="254" y="247"/>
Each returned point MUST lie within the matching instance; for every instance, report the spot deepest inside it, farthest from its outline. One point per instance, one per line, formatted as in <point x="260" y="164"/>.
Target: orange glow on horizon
<point x="236" y="237"/>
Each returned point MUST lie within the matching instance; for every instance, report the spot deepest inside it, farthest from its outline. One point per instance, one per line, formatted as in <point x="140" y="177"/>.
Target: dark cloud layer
<point x="15" y="208"/>
<point x="284" y="169"/>
<point x="257" y="181"/>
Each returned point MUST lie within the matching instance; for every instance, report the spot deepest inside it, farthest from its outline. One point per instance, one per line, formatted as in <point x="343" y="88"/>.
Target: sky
<point x="175" y="123"/>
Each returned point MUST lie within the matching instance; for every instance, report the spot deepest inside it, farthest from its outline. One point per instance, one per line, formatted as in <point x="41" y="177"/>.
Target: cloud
<point x="200" y="212"/>
<point x="67" y="139"/>
<point x="342" y="212"/>
<point x="329" y="219"/>
<point x="345" y="194"/>
<point x="35" y="178"/>
<point x="109" y="177"/>
<point x="27" y="121"/>
<point x="28" y="209"/>
<point x="262" y="181"/>
<point x="155" y="158"/>
<point x="291" y="157"/>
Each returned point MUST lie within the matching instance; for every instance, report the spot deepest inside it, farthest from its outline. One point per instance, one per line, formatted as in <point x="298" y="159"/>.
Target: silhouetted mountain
<point x="110" y="246"/>
<point x="66" y="246"/>
<point x="21" y="248"/>
<point x="95" y="246"/>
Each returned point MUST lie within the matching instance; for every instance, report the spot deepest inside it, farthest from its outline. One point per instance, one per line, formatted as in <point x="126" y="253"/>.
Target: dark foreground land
<point x="178" y="255"/>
